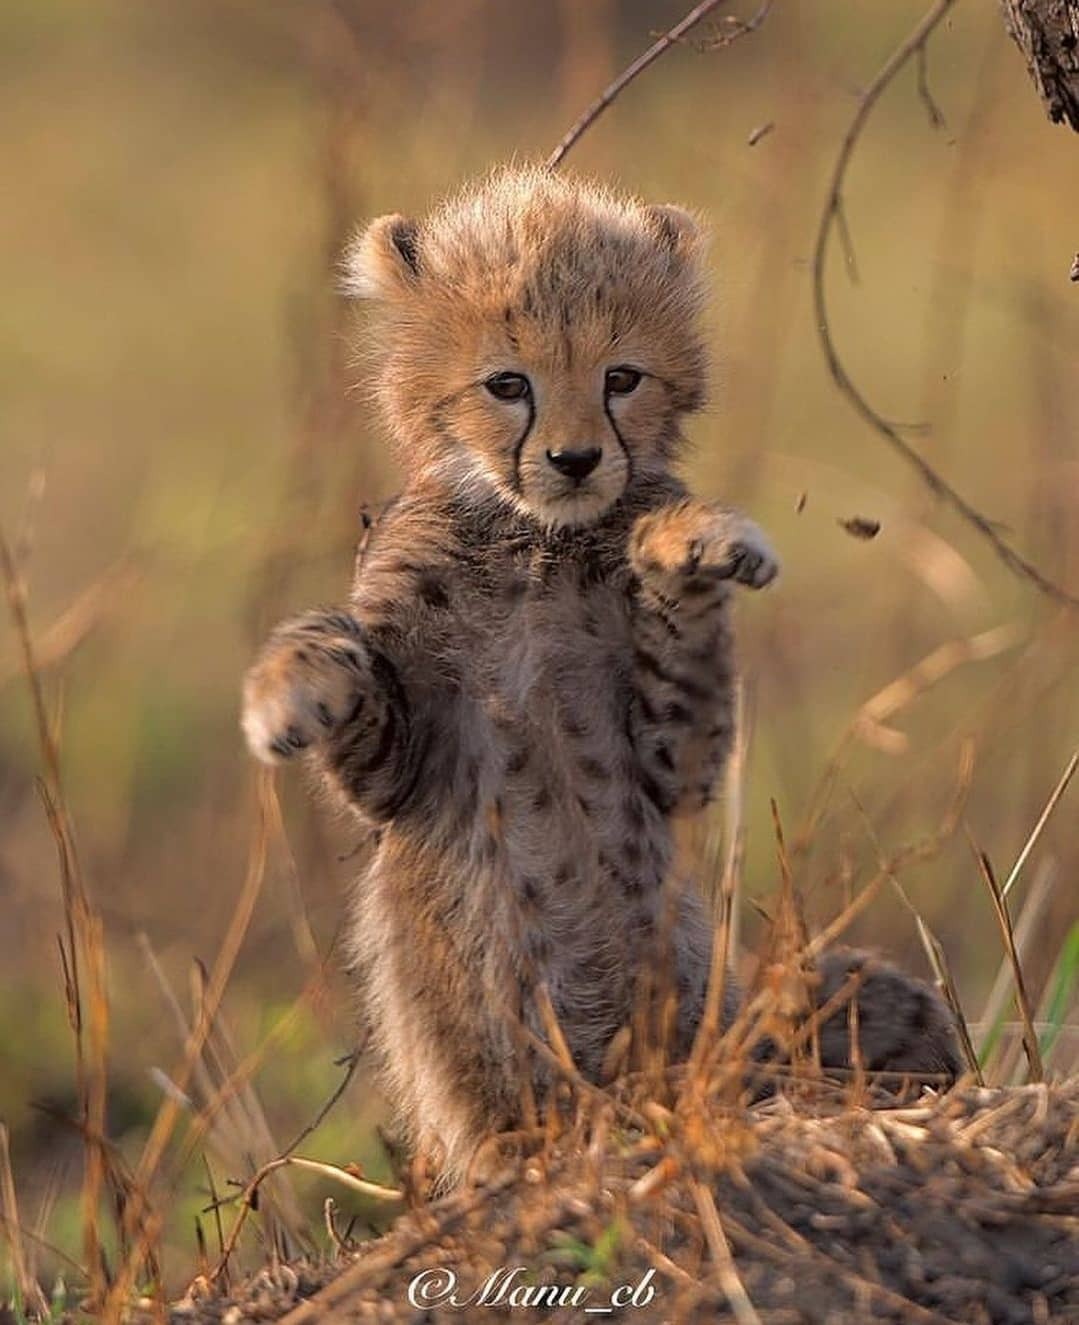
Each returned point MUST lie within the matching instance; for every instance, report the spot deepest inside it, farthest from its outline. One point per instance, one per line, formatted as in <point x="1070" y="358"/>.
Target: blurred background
<point x="186" y="448"/>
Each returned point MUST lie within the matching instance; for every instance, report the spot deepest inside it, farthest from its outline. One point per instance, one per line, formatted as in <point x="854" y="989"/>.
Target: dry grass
<point x="955" y="1210"/>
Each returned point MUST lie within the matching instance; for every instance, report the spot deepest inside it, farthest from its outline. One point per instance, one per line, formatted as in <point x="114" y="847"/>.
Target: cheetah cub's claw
<point x="693" y="539"/>
<point x="313" y="676"/>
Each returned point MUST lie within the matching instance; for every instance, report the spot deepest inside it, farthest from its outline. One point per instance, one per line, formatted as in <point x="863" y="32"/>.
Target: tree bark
<point x="1047" y="34"/>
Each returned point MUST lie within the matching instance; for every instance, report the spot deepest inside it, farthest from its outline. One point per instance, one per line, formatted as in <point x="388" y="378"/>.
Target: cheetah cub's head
<point x="538" y="338"/>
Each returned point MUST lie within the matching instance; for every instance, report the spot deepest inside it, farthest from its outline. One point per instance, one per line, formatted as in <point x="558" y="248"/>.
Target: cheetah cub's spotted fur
<point x="535" y="672"/>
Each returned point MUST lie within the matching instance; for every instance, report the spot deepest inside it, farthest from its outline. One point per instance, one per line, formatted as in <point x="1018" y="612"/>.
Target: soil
<point x="962" y="1208"/>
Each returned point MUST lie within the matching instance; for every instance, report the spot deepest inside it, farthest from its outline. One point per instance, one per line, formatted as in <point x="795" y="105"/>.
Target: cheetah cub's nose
<point x="576" y="465"/>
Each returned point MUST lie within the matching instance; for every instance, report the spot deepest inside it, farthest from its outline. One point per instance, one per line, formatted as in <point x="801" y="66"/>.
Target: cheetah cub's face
<point x="538" y="338"/>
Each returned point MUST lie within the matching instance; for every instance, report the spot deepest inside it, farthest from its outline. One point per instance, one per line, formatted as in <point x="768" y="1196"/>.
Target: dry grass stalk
<point x="282" y="1211"/>
<point x="724" y="939"/>
<point x="1000" y="906"/>
<point x="83" y="948"/>
<point x="719" y="1247"/>
<point x="874" y="714"/>
<point x="1034" y="907"/>
<point x="371" y="1266"/>
<point x="551" y="1025"/>
<point x="32" y="1297"/>
<point x="302" y="933"/>
<point x="933" y="949"/>
<point x="140" y="1222"/>
<point x="232" y="1119"/>
<point x="75" y="624"/>
<point x="1058" y="791"/>
<point x="96" y="1095"/>
<point x="221" y="1097"/>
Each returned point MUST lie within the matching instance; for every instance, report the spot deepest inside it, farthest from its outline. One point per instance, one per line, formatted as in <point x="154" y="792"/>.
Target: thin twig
<point x="832" y="220"/>
<point x="373" y="1190"/>
<point x="351" y="1062"/>
<point x="663" y="44"/>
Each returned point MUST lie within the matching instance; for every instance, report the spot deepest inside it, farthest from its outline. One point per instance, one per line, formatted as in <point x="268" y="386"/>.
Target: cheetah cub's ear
<point x="383" y="261"/>
<point x="679" y="231"/>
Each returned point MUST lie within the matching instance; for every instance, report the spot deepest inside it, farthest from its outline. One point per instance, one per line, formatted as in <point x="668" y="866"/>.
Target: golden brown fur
<point x="535" y="673"/>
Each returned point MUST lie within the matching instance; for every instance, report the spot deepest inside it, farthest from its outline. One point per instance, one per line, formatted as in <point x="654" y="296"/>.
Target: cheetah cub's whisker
<point x="535" y="672"/>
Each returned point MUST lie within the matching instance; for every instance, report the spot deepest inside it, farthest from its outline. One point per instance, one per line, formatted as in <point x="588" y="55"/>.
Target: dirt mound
<point x="961" y="1209"/>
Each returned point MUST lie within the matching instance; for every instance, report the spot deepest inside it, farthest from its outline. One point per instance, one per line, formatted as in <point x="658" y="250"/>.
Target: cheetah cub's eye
<point x="621" y="381"/>
<point x="509" y="386"/>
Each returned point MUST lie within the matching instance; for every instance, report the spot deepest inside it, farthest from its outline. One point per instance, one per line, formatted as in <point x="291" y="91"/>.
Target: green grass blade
<point x="1062" y="984"/>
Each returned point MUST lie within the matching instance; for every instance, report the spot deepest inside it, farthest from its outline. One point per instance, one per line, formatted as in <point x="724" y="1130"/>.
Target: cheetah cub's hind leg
<point x="314" y="677"/>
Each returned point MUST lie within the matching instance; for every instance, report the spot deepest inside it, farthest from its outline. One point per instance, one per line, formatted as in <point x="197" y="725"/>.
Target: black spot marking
<point x="695" y="586"/>
<point x="346" y="657"/>
<point x="432" y="590"/>
<point x="648" y="710"/>
<point x="404" y="235"/>
<point x="353" y="713"/>
<point x="381" y="751"/>
<point x="662" y="800"/>
<point x="592" y="768"/>
<point x="706" y="654"/>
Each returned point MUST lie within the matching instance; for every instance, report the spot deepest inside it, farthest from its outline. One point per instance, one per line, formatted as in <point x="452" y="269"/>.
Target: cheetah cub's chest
<point x="578" y="836"/>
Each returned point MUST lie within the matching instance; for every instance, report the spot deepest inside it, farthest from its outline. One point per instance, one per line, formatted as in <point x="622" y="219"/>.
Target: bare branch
<point x="831" y="220"/>
<point x="663" y="44"/>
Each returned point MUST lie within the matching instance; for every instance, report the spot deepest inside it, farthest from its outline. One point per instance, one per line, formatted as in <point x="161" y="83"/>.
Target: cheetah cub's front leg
<point x="688" y="550"/>
<point x="313" y="678"/>
<point x="686" y="557"/>
<point x="323" y="685"/>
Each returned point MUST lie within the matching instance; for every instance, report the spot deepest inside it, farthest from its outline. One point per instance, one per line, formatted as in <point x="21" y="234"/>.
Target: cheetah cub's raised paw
<point x="312" y="677"/>
<point x="693" y="541"/>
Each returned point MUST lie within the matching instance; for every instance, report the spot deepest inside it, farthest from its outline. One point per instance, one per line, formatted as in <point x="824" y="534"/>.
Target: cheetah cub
<point x="534" y="675"/>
